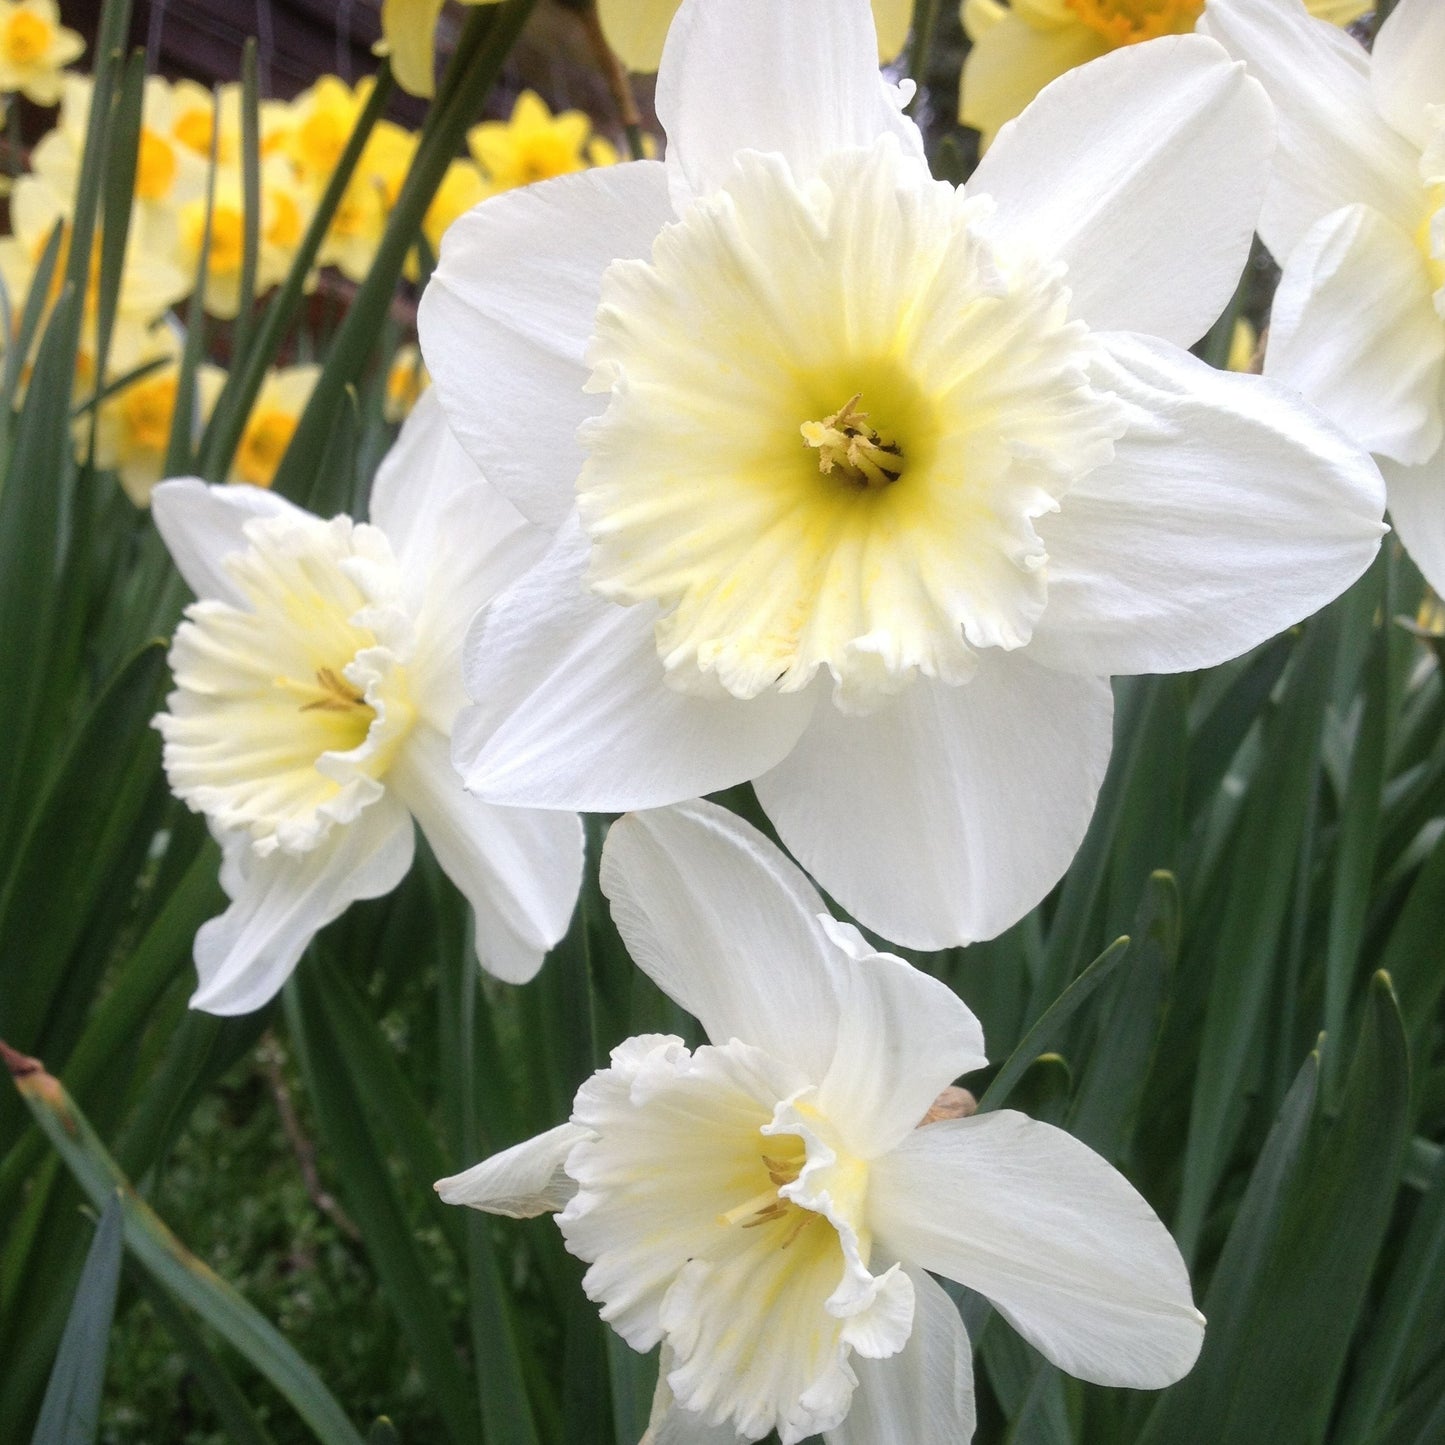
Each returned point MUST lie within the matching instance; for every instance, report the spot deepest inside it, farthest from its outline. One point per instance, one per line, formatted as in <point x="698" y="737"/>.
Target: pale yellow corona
<point x="836" y="412"/>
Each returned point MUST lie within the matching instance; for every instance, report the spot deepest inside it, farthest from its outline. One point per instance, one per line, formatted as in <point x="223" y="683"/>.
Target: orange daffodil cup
<point x="770" y="1208"/>
<point x="1356" y="216"/>
<point x="862" y="485"/>
<point x="316" y="683"/>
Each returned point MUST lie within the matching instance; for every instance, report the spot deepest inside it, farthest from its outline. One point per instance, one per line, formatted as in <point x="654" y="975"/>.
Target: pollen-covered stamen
<point x="845" y="443"/>
<point x="336" y="694"/>
<point x="769" y="1206"/>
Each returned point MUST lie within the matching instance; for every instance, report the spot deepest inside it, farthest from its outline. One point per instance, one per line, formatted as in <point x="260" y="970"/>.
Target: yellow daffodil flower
<point x="636" y="29"/>
<point x="34" y="48"/>
<point x="322" y="119"/>
<point x="1019" y="47"/>
<point x="150" y="284"/>
<point x="168" y="172"/>
<point x="534" y="145"/>
<point x="408" y="35"/>
<point x="1243" y="347"/>
<point x="406" y="379"/>
<point x="133" y="427"/>
<point x="272" y="424"/>
<point x="284" y="209"/>
<point x="193" y="120"/>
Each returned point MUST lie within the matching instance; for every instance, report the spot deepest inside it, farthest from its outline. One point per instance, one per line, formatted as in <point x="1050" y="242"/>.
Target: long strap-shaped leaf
<point x="71" y="1412"/>
<point x="185" y="1277"/>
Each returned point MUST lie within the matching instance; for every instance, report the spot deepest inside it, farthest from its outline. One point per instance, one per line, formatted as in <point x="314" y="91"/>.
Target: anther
<point x="846" y="443"/>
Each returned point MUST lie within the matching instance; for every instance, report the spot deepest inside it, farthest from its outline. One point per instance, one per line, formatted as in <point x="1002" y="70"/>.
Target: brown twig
<point x="612" y="70"/>
<point x="272" y="1060"/>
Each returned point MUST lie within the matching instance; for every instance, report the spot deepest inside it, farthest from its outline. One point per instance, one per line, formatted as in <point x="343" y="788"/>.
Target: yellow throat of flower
<point x="848" y="445"/>
<point x="27" y="37"/>
<point x="835" y="414"/>
<point x="263" y="445"/>
<point x="1126" y="22"/>
<point x="289" y="708"/>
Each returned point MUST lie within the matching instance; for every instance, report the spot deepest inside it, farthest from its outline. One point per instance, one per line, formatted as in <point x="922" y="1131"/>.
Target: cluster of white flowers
<point x="780" y="461"/>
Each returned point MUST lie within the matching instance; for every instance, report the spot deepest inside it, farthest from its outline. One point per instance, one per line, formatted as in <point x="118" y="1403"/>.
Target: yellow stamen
<point x="336" y="693"/>
<point x="847" y="444"/>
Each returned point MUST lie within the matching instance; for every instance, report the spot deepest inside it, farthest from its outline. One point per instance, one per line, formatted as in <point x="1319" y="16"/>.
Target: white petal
<point x="669" y="1424"/>
<point x="427" y="473"/>
<point x="520" y="868"/>
<point x="1060" y="1241"/>
<point x="1354" y="330"/>
<point x="282" y="901"/>
<point x="458" y="542"/>
<point x="1334" y="148"/>
<point x="573" y="709"/>
<point x="521" y="1182"/>
<point x="902" y="1038"/>
<point x="728" y="928"/>
<point x="922" y="1396"/>
<point x="1407" y="71"/>
<point x="507" y="316"/>
<point x="202" y="524"/>
<point x="1417" y="508"/>
<point x="1134" y="206"/>
<point x="1230" y="511"/>
<point x="946" y="815"/>
<point x="800" y="79"/>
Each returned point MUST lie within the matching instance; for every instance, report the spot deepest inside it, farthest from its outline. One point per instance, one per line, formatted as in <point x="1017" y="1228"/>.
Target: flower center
<point x="727" y="1222"/>
<point x="1126" y="22"/>
<point x="899" y="536"/>
<point x="289" y="709"/>
<point x="155" y="171"/>
<point x="148" y="408"/>
<point x="845" y="443"/>
<point x="263" y="445"/>
<point x="27" y="37"/>
<point x="783" y="1164"/>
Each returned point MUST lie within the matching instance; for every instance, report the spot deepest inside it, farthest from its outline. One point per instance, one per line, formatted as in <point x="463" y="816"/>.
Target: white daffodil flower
<point x="770" y="1207"/>
<point x="798" y="412"/>
<point x="317" y="680"/>
<point x="1356" y="215"/>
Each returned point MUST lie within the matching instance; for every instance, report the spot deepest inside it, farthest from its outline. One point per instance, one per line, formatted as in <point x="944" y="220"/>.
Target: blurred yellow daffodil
<point x="1019" y="47"/>
<point x="133" y="427"/>
<point x="636" y="29"/>
<point x="151" y="282"/>
<point x="461" y="188"/>
<point x="534" y="145"/>
<point x="408" y="31"/>
<point x="406" y="379"/>
<point x="168" y="172"/>
<point x="193" y="122"/>
<point x="34" y="48"/>
<point x="272" y="424"/>
<point x="322" y="119"/>
<point x="284" y="210"/>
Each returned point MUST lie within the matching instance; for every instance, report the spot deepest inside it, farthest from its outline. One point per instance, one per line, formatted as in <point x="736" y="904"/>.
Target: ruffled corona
<point x="289" y="708"/>
<point x="836" y="411"/>
<point x="721" y="1214"/>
